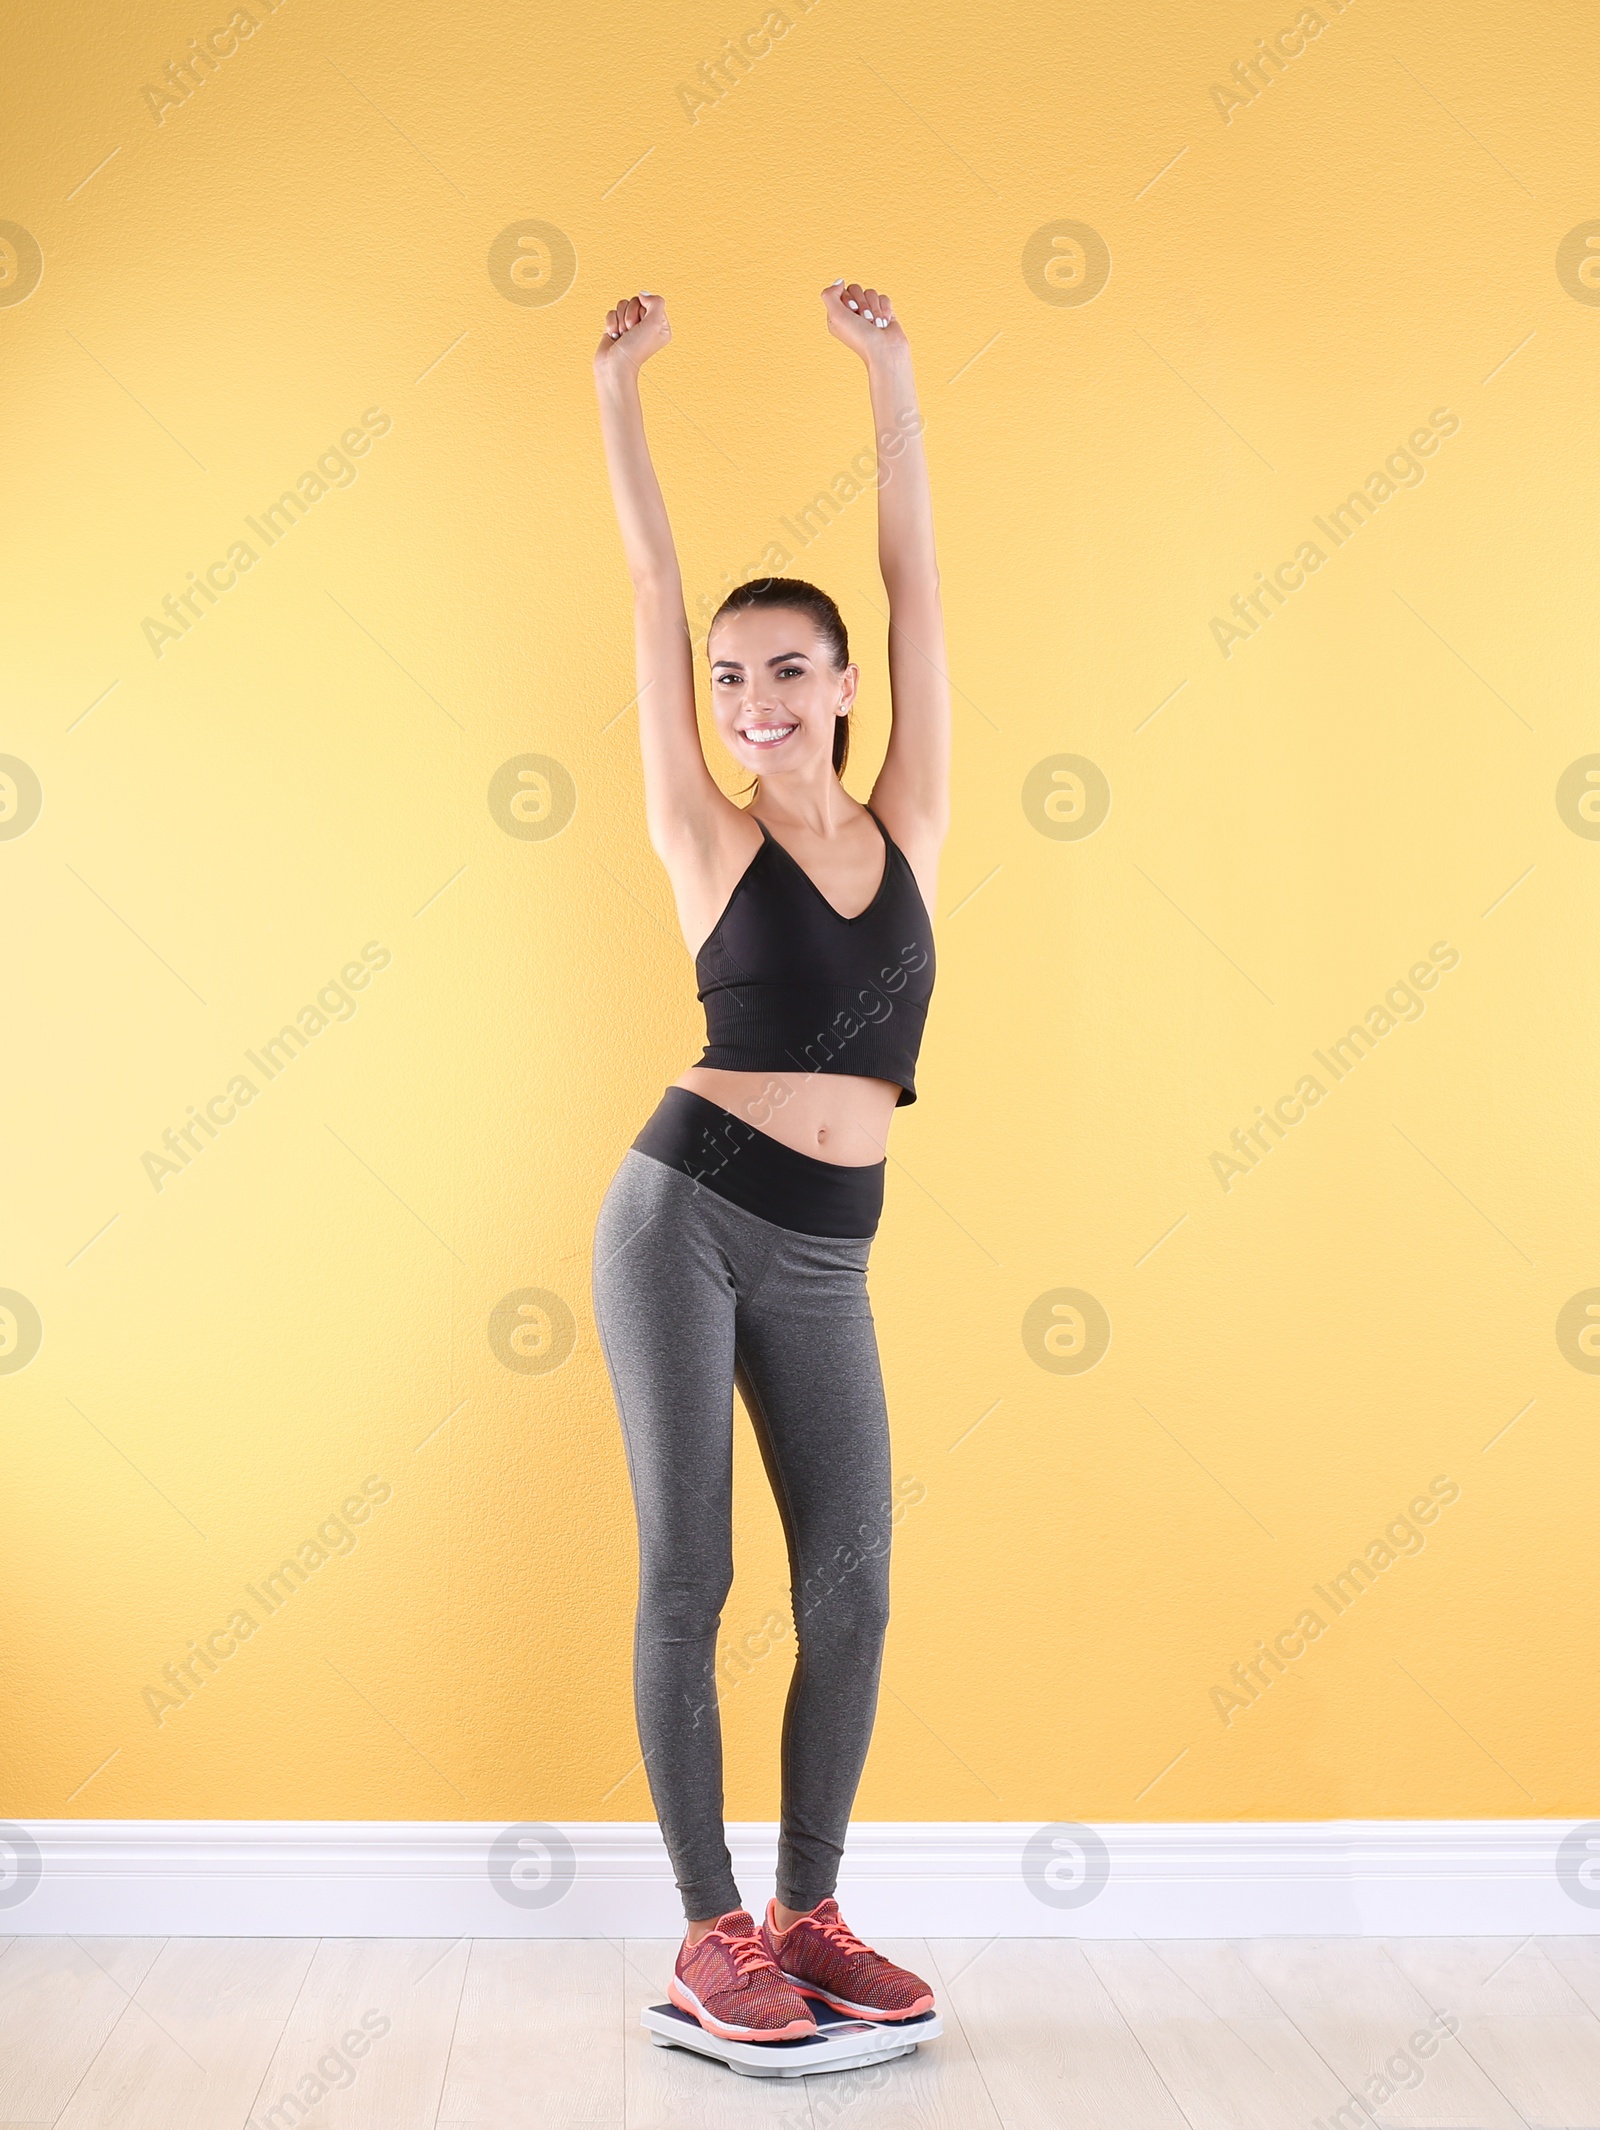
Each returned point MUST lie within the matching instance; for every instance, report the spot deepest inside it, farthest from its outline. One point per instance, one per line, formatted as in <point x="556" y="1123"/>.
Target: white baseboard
<point x="353" y="1878"/>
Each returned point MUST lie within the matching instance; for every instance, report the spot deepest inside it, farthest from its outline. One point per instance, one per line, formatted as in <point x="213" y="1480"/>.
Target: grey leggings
<point x="693" y="1293"/>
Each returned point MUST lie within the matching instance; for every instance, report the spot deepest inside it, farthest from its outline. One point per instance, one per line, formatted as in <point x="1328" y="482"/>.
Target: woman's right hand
<point x="635" y="331"/>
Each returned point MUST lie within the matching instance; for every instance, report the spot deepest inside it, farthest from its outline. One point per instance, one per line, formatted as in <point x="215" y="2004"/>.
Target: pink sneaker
<point x="822" y="1957"/>
<point x="729" y="1983"/>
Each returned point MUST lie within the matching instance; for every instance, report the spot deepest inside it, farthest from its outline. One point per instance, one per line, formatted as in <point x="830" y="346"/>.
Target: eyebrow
<point x="783" y="658"/>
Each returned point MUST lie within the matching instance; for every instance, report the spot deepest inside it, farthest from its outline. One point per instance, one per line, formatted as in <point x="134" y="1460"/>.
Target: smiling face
<point x="775" y="693"/>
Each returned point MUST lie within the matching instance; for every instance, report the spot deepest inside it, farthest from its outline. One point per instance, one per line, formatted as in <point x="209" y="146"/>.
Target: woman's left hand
<point x="863" y="318"/>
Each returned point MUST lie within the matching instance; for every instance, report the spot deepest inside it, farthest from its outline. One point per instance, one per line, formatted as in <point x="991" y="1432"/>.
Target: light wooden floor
<point x="1263" y="2034"/>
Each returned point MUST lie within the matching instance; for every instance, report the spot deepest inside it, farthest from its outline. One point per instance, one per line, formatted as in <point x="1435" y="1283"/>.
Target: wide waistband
<point x="753" y="1170"/>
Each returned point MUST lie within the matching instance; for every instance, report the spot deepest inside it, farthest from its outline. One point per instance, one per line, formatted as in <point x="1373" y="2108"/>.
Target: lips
<point x="767" y="735"/>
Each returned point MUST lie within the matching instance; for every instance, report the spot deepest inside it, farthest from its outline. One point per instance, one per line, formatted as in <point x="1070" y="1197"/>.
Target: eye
<point x="790" y="672"/>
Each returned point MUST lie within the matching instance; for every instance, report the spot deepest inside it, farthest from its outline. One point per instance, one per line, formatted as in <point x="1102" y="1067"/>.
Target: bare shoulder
<point x="705" y="853"/>
<point x="919" y="834"/>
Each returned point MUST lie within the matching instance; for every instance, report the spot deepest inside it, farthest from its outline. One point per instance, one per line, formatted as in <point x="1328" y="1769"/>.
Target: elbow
<point x="656" y="583"/>
<point x="914" y="585"/>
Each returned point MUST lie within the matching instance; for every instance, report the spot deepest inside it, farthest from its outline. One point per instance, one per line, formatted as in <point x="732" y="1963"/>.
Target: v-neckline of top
<point x="883" y="883"/>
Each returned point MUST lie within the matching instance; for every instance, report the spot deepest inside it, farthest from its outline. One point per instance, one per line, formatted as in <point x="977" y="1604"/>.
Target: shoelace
<point x="838" y="1932"/>
<point x="749" y="1954"/>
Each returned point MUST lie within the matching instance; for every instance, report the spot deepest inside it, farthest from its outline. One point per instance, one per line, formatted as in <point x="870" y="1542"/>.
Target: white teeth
<point x="764" y="735"/>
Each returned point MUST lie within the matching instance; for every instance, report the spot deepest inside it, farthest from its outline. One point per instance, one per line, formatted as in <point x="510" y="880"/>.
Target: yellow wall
<point x="308" y="1304"/>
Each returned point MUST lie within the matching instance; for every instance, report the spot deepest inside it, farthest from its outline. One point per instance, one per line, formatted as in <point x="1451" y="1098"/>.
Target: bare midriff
<point x="837" y="1117"/>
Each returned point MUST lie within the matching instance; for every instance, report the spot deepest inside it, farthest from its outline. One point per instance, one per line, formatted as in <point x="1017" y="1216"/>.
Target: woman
<point x="732" y="1244"/>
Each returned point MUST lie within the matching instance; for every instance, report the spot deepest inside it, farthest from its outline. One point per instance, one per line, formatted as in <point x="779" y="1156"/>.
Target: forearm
<point x="641" y="510"/>
<point x="906" y="556"/>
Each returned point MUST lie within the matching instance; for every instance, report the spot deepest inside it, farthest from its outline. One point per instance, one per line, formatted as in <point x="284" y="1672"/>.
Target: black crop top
<point x="789" y="985"/>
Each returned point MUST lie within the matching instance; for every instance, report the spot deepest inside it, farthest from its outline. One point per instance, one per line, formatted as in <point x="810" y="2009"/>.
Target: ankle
<point x="694" y="1932"/>
<point x="785" y="1918"/>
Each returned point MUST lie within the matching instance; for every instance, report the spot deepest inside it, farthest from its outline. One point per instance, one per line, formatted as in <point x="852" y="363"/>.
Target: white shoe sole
<point x="686" y="2000"/>
<point x="854" y="2011"/>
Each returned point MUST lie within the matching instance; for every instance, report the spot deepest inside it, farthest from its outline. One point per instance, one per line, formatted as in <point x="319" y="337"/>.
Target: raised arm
<point x="684" y="807"/>
<point x="912" y="792"/>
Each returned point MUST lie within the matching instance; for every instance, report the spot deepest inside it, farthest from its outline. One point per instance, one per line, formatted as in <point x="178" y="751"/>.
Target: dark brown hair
<point x="802" y="598"/>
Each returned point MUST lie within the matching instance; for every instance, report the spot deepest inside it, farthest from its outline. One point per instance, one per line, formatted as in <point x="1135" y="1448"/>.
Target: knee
<point x="684" y="1602"/>
<point x="846" y="1600"/>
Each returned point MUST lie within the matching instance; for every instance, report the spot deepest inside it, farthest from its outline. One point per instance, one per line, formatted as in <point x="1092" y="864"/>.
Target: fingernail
<point x="837" y="284"/>
<point x="852" y="303"/>
<point x="883" y="321"/>
<point x="868" y="316"/>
